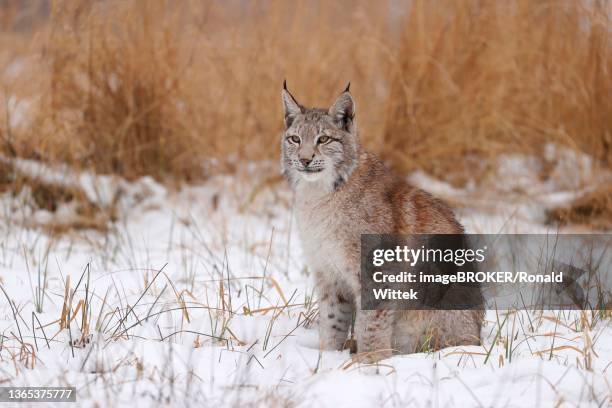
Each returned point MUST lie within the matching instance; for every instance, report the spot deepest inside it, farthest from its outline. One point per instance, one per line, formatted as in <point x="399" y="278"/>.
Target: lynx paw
<point x="373" y="357"/>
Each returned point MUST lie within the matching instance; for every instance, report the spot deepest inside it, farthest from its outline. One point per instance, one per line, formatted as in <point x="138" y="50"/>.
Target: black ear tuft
<point x="348" y="87"/>
<point x="343" y="111"/>
<point x="291" y="106"/>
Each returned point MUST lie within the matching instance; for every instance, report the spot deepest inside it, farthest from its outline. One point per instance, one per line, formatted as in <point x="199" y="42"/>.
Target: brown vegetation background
<point x="178" y="89"/>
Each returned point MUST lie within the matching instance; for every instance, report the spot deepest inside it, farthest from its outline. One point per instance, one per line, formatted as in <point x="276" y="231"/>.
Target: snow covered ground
<point x="200" y="297"/>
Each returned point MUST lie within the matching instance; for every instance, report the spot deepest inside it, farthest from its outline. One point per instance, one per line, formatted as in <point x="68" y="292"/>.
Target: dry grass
<point x="50" y="195"/>
<point x="155" y="87"/>
<point x="593" y="209"/>
<point x="161" y="88"/>
<point x="479" y="78"/>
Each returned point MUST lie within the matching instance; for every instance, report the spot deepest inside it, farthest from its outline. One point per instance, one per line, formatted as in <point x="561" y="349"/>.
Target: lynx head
<point x="319" y="145"/>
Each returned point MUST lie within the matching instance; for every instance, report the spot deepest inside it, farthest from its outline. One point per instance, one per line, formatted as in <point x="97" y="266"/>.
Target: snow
<point x="229" y="319"/>
<point x="522" y="188"/>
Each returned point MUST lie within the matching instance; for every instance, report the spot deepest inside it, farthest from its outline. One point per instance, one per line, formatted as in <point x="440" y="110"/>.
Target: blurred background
<point x="182" y="90"/>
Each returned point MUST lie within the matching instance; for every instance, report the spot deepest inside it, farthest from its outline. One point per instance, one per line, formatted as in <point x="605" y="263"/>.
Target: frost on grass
<point x="199" y="296"/>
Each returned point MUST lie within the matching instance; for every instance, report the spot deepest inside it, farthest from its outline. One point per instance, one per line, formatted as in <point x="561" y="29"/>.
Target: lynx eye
<point x="294" y="139"/>
<point x="323" y="139"/>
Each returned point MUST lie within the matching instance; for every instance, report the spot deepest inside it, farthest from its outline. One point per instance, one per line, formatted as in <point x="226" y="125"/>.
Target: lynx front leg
<point x="335" y="316"/>
<point x="373" y="330"/>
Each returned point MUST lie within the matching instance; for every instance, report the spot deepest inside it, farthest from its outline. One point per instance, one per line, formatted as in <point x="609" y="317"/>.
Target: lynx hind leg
<point x="335" y="317"/>
<point x="374" y="332"/>
<point x="453" y="328"/>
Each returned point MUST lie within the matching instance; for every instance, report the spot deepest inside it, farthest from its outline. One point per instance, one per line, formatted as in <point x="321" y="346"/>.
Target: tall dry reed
<point x="165" y="88"/>
<point x="477" y="78"/>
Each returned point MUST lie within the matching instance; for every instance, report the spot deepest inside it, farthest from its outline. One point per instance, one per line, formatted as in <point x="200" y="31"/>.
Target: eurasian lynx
<point x="341" y="192"/>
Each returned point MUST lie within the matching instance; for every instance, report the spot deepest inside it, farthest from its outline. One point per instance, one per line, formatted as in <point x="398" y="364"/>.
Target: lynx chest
<point x="326" y="239"/>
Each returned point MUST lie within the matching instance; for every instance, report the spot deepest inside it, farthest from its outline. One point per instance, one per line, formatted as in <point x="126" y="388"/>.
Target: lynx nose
<point x="305" y="162"/>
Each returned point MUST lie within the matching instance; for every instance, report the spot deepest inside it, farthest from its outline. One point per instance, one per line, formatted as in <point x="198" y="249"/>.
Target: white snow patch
<point x="227" y="320"/>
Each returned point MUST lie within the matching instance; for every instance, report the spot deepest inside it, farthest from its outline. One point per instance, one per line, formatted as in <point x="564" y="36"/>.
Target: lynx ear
<point x="292" y="107"/>
<point x="343" y="109"/>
